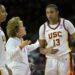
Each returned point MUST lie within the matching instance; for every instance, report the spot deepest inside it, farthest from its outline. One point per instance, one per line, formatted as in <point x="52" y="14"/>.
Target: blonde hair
<point x="12" y="26"/>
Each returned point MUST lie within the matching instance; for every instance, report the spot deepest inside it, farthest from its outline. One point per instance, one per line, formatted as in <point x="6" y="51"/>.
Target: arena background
<point x="32" y="12"/>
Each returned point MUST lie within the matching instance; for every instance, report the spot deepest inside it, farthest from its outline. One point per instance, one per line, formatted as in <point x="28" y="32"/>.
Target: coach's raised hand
<point x="24" y="43"/>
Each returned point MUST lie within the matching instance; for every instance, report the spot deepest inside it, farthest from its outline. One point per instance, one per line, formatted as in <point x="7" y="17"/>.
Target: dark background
<point x="32" y="12"/>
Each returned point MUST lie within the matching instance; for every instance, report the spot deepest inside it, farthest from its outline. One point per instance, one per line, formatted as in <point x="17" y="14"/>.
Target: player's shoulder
<point x="66" y="21"/>
<point x="43" y="25"/>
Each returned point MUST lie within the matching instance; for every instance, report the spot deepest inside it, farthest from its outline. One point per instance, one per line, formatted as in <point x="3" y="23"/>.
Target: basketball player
<point x="3" y="15"/>
<point x="17" y="49"/>
<point x="53" y="36"/>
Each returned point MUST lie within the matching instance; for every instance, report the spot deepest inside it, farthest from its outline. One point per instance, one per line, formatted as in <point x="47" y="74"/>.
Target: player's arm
<point x="42" y="41"/>
<point x="46" y="51"/>
<point x="70" y="27"/>
<point x="43" y="49"/>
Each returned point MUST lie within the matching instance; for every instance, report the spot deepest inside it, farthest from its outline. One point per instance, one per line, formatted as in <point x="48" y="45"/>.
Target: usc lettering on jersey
<point x="58" y="38"/>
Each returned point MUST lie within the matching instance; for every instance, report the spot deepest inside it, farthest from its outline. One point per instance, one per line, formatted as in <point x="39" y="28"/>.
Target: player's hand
<point x="24" y="43"/>
<point x="54" y="51"/>
<point x="50" y="50"/>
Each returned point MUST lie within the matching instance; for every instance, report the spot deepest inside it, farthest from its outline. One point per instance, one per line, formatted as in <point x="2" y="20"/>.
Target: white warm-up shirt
<point x="15" y="55"/>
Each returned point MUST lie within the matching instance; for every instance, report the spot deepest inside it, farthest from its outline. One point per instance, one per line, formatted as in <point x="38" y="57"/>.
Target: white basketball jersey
<point x="57" y="37"/>
<point x="2" y="51"/>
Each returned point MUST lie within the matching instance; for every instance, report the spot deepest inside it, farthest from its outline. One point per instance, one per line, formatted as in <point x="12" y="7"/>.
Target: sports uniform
<point x="3" y="70"/>
<point x="57" y="36"/>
